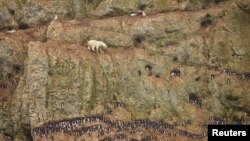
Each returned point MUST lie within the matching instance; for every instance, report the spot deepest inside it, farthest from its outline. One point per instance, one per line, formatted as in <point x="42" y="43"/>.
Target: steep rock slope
<point x="184" y="69"/>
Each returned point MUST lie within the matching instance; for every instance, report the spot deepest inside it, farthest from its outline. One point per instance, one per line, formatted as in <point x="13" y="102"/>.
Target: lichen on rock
<point x="182" y="66"/>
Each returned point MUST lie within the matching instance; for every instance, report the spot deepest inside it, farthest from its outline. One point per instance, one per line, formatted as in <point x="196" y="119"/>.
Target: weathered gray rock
<point x="39" y="12"/>
<point x="80" y="34"/>
<point x="35" y="14"/>
<point x="62" y="79"/>
<point x="244" y="5"/>
<point x="123" y="32"/>
<point x="5" y="18"/>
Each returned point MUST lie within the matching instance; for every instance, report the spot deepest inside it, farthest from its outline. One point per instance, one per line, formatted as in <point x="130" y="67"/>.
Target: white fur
<point x="143" y="14"/>
<point x="133" y="14"/>
<point x="96" y="45"/>
<point x="11" y="31"/>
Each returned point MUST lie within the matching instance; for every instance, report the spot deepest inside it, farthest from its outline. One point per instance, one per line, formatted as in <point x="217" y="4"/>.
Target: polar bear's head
<point x="104" y="46"/>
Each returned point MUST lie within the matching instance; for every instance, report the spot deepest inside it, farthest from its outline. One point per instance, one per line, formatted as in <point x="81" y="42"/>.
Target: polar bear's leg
<point x="101" y="49"/>
<point x="89" y="47"/>
<point x="96" y="48"/>
<point x="93" y="48"/>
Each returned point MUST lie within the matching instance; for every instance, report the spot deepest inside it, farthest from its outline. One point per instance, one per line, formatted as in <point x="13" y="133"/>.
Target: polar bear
<point x="96" y="45"/>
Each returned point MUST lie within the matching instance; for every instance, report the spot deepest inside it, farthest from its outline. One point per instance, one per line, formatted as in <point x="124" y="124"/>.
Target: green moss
<point x="80" y="99"/>
<point x="194" y="4"/>
<point x="164" y="2"/>
<point x="93" y="97"/>
<point x="47" y="95"/>
<point x="21" y="3"/>
<point x="222" y="44"/>
<point x="171" y="39"/>
<point x="109" y="89"/>
<point x="241" y="20"/>
<point x="79" y="9"/>
<point x="81" y="89"/>
<point x="96" y="3"/>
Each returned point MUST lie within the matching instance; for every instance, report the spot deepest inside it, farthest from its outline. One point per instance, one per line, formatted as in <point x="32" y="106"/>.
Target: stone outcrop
<point x="40" y="12"/>
<point x="172" y="67"/>
<point x="244" y="5"/>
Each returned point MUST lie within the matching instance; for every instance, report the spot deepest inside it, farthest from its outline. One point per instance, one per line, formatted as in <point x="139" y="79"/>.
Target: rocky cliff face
<point x="164" y="76"/>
